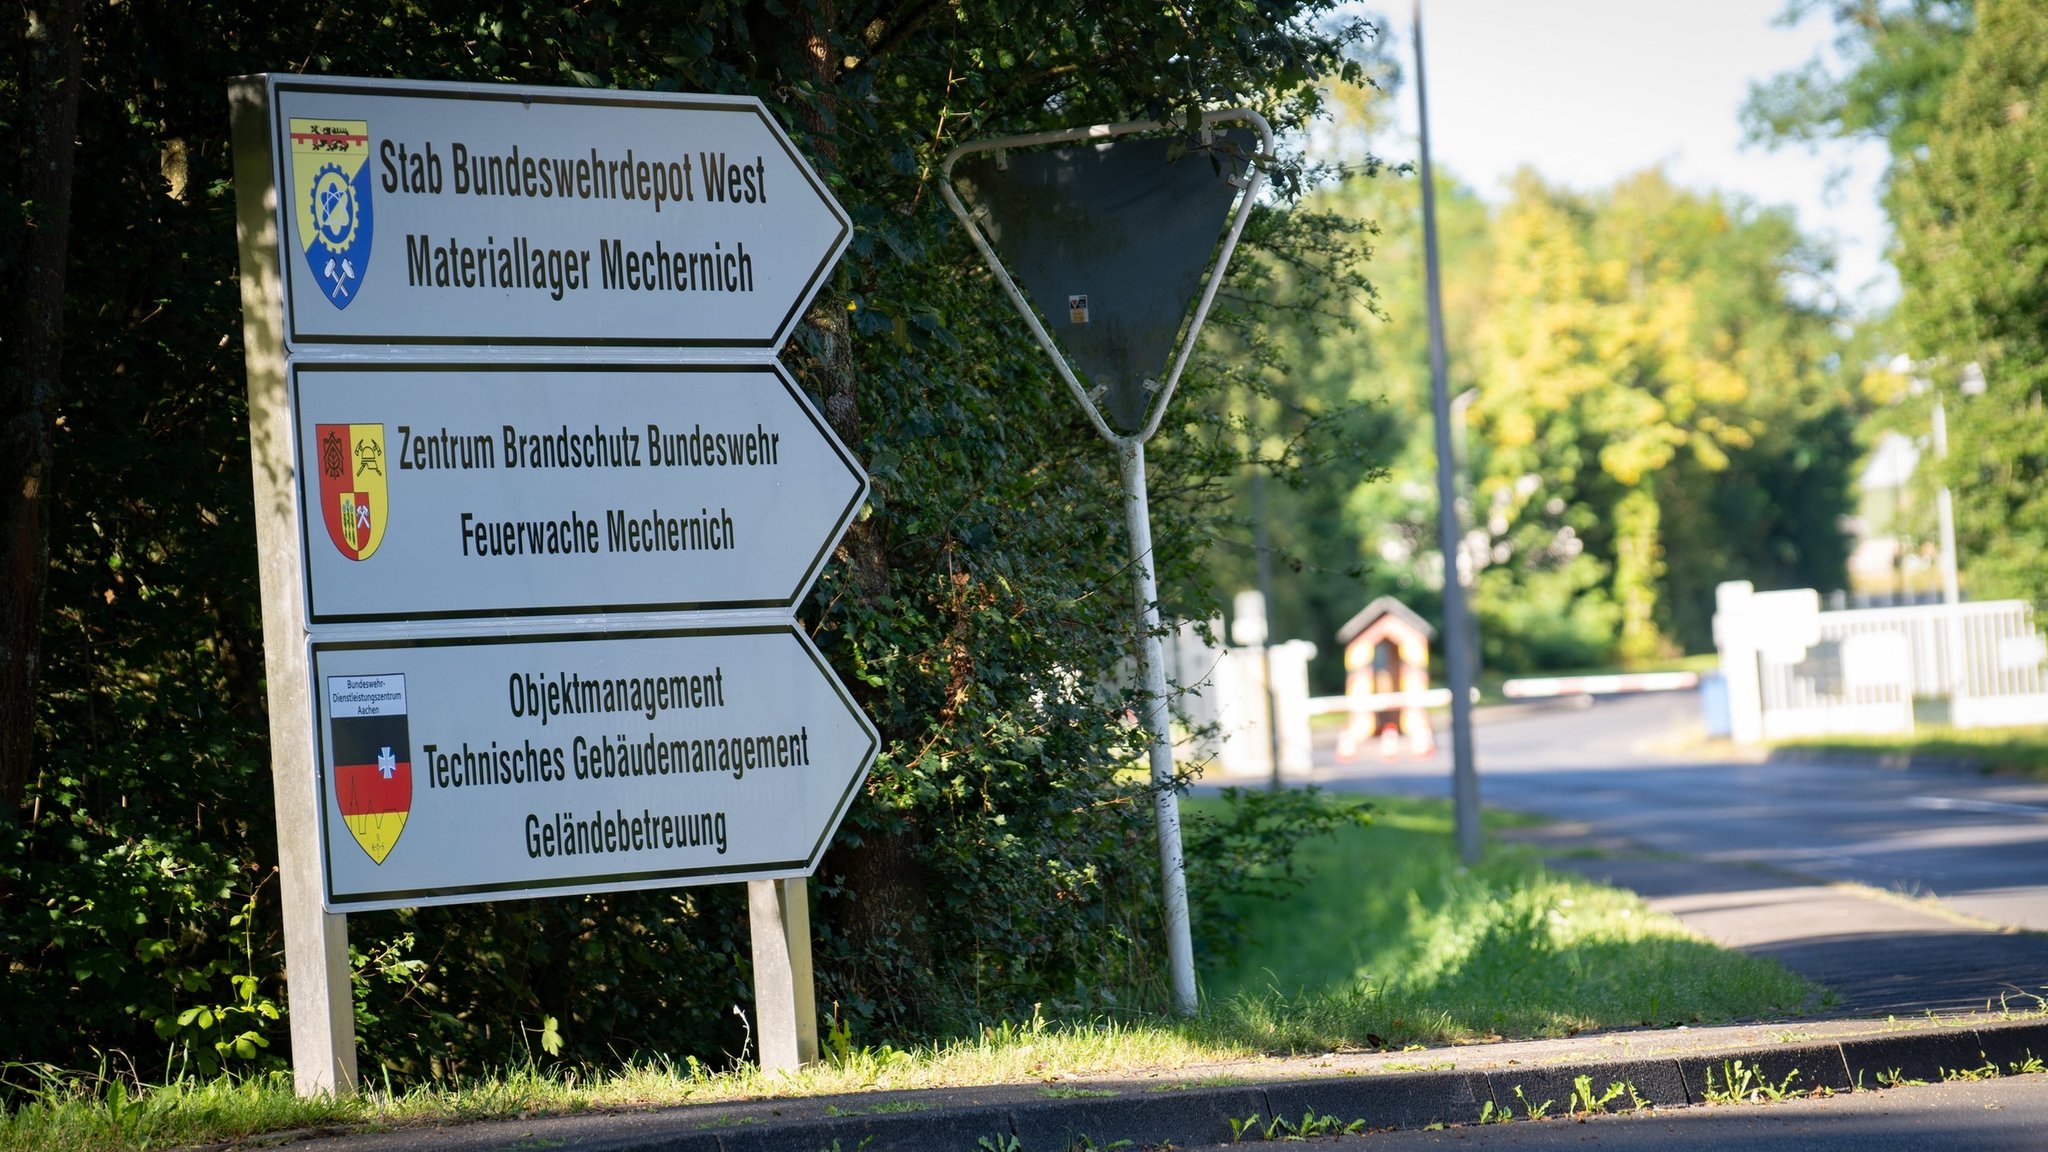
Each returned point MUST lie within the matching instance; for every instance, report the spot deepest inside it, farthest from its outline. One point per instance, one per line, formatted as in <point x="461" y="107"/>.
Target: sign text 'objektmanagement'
<point x="598" y="762"/>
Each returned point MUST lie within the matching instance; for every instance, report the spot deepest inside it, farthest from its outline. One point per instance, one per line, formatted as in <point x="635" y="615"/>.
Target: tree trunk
<point x="883" y="906"/>
<point x="48" y="119"/>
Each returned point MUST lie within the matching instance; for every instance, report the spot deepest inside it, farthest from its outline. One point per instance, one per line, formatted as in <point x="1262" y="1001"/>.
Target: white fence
<point x="1220" y="694"/>
<point x="1793" y="670"/>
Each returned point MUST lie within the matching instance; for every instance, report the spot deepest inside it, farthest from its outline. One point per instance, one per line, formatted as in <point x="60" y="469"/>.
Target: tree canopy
<point x="1895" y="60"/>
<point x="1954" y="88"/>
<point x="996" y="859"/>
<point x="1972" y="216"/>
<point x="1650" y="403"/>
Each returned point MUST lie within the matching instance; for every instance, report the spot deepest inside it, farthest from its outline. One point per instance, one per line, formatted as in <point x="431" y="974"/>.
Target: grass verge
<point x="108" y="1113"/>
<point x="1390" y="943"/>
<point x="2008" y="751"/>
<point x="1397" y="942"/>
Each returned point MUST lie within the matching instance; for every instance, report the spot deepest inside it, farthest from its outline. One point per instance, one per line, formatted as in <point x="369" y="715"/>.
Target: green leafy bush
<point x="1249" y="851"/>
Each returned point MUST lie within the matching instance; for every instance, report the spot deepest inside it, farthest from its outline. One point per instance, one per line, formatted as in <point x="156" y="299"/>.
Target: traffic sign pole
<point x="1130" y="447"/>
<point x="1458" y="627"/>
<point x="1173" y="875"/>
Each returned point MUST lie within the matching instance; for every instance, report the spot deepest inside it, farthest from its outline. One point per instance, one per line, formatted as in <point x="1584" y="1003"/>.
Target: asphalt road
<point x="1954" y="865"/>
<point x="1985" y="1116"/>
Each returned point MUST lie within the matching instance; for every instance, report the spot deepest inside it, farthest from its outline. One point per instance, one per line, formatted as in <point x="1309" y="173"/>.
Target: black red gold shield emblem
<point x="372" y="743"/>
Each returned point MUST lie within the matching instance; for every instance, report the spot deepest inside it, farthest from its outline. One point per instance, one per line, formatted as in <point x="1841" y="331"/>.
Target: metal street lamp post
<point x="1457" y="620"/>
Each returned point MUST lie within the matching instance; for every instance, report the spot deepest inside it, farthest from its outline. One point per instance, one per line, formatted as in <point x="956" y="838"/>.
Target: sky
<point x="1588" y="91"/>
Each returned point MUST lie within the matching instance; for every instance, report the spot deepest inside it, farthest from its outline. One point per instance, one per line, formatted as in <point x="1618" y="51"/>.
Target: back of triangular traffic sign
<point x="1110" y="241"/>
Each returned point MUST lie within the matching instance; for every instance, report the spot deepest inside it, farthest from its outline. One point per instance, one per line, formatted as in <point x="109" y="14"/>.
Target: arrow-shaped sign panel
<point x="453" y="771"/>
<point x="444" y="491"/>
<point x="419" y="213"/>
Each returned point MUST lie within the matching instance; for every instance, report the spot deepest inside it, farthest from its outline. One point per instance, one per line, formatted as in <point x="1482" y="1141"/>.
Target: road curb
<point x="1510" y="1079"/>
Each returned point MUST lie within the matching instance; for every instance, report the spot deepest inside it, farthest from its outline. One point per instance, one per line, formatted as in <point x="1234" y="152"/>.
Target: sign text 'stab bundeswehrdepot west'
<point x="444" y="491"/>
<point x="452" y="771"/>
<point x="418" y="213"/>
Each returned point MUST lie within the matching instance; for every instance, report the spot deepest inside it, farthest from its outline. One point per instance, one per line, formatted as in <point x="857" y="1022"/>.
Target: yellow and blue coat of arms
<point x="331" y="190"/>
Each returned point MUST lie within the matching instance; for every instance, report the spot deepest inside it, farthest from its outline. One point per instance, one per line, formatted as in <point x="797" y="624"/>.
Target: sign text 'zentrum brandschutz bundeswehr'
<point x="458" y="770"/>
<point x="441" y="491"/>
<point x="417" y="213"/>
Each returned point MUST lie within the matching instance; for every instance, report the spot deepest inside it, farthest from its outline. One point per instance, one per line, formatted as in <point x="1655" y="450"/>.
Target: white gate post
<point x="1736" y="640"/>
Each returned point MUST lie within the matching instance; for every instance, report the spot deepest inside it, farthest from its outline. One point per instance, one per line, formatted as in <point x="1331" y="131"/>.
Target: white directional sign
<point x="459" y="770"/>
<point x="440" y="491"/>
<point x="511" y="357"/>
<point x="413" y="212"/>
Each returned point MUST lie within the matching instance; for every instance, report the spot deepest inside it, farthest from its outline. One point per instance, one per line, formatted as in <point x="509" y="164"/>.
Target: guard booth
<point x="1386" y="679"/>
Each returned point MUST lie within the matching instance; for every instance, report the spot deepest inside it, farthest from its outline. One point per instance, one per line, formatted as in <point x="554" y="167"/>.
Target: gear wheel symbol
<point x="334" y="207"/>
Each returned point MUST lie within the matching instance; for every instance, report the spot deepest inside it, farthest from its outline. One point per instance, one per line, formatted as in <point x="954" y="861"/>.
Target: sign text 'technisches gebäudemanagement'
<point x="456" y="770"/>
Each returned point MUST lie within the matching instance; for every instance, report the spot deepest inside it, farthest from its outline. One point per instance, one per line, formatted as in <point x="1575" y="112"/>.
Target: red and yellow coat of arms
<point x="353" y="494"/>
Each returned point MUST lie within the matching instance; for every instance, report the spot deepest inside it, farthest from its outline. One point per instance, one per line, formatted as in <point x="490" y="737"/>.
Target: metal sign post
<point x="535" y="507"/>
<point x="1459" y="645"/>
<point x="1064" y="238"/>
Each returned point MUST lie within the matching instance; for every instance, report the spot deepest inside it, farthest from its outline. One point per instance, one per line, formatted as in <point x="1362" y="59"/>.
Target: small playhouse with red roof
<point x="1386" y="671"/>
